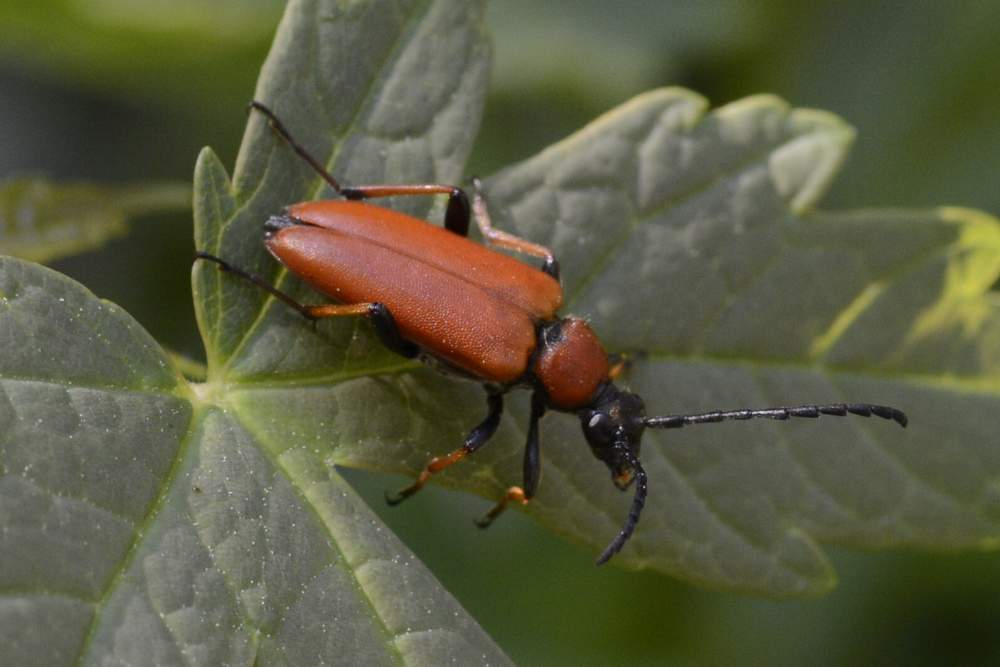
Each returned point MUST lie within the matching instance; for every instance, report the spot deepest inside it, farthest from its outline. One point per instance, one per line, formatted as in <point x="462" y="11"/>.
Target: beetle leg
<point x="388" y="332"/>
<point x="618" y="363"/>
<point x="509" y="241"/>
<point x="621" y="362"/>
<point x="258" y="281"/>
<point x="381" y="317"/>
<point x="478" y="437"/>
<point x="456" y="216"/>
<point x="532" y="466"/>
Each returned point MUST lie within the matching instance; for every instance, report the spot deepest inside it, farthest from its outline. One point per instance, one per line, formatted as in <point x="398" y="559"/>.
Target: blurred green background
<point x="121" y="91"/>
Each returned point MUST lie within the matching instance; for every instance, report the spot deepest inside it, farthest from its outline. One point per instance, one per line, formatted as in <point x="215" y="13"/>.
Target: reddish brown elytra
<point x="433" y="294"/>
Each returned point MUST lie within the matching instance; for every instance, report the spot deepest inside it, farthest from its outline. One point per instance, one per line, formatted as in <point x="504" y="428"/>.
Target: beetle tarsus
<point x="514" y="493"/>
<point x="393" y="499"/>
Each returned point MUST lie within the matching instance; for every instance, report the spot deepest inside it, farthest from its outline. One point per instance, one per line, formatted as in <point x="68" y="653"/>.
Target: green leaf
<point x="685" y="235"/>
<point x="145" y="522"/>
<point x="381" y="92"/>
<point x="744" y="299"/>
<point x="141" y="524"/>
<point x="43" y="221"/>
<point x="688" y="236"/>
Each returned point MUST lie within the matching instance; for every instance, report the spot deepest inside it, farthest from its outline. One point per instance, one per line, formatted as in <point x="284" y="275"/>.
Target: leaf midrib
<point x="140" y="532"/>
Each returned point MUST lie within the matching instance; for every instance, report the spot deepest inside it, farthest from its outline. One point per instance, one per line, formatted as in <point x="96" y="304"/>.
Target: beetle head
<point x="613" y="426"/>
<point x="613" y="423"/>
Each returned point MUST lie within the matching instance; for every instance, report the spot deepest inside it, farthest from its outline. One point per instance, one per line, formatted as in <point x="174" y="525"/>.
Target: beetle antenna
<point x="280" y="128"/>
<point x="811" y="411"/>
<point x="621" y="445"/>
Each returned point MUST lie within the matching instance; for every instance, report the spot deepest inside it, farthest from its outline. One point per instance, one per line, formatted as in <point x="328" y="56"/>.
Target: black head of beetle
<point x="613" y="426"/>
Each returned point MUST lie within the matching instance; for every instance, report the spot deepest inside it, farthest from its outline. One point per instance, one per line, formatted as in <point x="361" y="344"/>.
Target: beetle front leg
<point x="532" y="466"/>
<point x="478" y="437"/>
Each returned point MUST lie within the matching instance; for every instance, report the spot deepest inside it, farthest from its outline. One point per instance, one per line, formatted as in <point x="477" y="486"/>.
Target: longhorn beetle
<point x="433" y="294"/>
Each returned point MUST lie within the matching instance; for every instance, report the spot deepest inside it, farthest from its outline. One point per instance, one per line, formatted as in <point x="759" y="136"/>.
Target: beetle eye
<point x="600" y="424"/>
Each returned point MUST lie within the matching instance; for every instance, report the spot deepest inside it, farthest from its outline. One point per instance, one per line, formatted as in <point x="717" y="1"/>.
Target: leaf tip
<point x="208" y="168"/>
<point x="805" y="166"/>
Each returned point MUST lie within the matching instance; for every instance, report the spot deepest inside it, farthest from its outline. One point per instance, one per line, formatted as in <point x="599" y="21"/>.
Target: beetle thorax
<point x="571" y="363"/>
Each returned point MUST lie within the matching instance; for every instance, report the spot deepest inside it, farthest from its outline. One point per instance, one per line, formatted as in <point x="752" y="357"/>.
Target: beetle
<point x="434" y="295"/>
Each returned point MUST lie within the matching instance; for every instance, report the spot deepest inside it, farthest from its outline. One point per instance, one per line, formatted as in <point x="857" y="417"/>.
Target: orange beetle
<point x="433" y="294"/>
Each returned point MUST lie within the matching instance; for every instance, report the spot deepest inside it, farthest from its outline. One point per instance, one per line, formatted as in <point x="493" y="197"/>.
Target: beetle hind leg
<point x="258" y="281"/>
<point x="388" y="332"/>
<point x="509" y="241"/>
<point x="379" y="314"/>
<point x="381" y="318"/>
<point x="478" y="437"/>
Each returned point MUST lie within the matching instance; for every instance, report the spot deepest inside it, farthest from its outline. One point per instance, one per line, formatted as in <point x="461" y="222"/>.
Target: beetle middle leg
<point x="532" y="467"/>
<point x="509" y="241"/>
<point x="478" y="437"/>
<point x="379" y="314"/>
